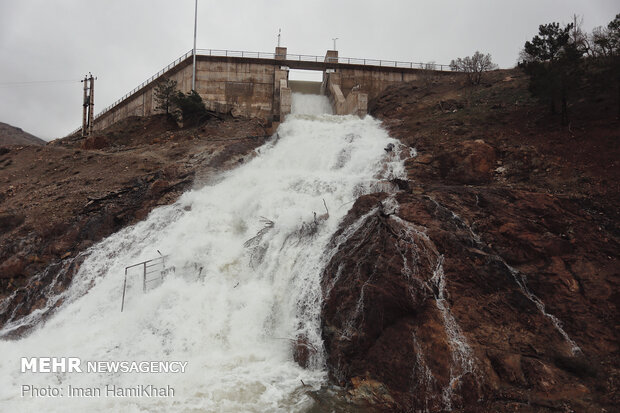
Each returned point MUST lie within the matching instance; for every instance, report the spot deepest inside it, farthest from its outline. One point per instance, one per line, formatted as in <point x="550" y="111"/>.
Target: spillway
<point x="248" y="253"/>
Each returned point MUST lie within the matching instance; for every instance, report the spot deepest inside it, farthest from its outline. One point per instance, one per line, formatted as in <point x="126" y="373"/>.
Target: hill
<point x="11" y="135"/>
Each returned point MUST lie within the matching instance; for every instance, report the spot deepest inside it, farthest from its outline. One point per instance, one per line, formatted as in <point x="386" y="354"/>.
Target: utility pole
<point x="194" y="50"/>
<point x="91" y="105"/>
<point x="88" y="106"/>
<point x="85" y="104"/>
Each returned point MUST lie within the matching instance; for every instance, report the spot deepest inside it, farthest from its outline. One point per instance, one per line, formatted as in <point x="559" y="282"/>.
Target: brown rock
<point x="95" y="142"/>
<point x="303" y="350"/>
<point x="158" y="187"/>
<point x="471" y="163"/>
<point x="382" y="322"/>
<point x="508" y="367"/>
<point x="10" y="221"/>
<point x="425" y="159"/>
<point x="372" y="392"/>
<point x="13" y="267"/>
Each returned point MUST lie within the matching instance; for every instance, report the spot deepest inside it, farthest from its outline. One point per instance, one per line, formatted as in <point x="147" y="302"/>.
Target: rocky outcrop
<point x="470" y="299"/>
<point x="472" y="162"/>
<point x="493" y="284"/>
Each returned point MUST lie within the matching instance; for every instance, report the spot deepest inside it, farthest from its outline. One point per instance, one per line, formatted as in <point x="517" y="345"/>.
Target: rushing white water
<point x="234" y="320"/>
<point x="310" y="104"/>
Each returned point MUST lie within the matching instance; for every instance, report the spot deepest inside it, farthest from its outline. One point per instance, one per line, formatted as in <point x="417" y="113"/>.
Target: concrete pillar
<point x="331" y="56"/>
<point x="334" y="93"/>
<point x="280" y="53"/>
<point x="285" y="99"/>
<point x="356" y="103"/>
<point x="280" y="74"/>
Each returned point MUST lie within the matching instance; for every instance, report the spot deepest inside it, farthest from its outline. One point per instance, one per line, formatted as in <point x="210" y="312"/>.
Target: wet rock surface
<point x="490" y="281"/>
<point x="433" y="302"/>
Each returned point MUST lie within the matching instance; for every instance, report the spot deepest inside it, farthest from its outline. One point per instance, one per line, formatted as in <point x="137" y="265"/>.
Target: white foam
<point x="233" y="324"/>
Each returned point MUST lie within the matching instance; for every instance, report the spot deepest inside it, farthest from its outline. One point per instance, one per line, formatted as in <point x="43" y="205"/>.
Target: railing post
<point x="124" y="288"/>
<point x="163" y="266"/>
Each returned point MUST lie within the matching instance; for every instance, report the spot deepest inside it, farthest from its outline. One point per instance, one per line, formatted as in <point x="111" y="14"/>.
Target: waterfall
<point x="248" y="253"/>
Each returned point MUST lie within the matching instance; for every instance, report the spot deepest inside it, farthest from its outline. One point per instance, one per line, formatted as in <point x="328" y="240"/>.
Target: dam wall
<point x="256" y="85"/>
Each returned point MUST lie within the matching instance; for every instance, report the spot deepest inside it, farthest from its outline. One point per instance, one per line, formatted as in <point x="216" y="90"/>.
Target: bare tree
<point x="474" y="66"/>
<point x="605" y="41"/>
<point x="428" y="74"/>
<point x="578" y="37"/>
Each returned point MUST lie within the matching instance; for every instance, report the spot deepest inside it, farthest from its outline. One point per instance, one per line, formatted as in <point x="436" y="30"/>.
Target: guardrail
<point x="322" y="59"/>
<point x="155" y="266"/>
<point x="268" y="55"/>
<point x="146" y="82"/>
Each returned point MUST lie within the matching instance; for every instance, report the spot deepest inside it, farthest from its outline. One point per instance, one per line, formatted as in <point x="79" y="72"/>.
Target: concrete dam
<point x="256" y="84"/>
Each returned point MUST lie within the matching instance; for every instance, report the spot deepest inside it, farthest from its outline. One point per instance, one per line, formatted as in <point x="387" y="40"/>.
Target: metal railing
<point x="147" y="81"/>
<point x="322" y="59"/>
<point x="149" y="267"/>
<point x="268" y="55"/>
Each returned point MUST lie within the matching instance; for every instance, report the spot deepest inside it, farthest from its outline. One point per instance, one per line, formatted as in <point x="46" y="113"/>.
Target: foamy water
<point x="234" y="320"/>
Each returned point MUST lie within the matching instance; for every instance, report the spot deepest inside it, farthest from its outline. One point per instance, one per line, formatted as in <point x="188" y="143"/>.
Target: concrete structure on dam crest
<point x="253" y="84"/>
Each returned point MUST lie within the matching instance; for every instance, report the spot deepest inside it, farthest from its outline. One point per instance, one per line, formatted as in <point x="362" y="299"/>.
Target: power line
<point x="36" y="82"/>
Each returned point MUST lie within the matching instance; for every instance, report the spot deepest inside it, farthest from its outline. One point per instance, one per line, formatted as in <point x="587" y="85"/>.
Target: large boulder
<point x="472" y="162"/>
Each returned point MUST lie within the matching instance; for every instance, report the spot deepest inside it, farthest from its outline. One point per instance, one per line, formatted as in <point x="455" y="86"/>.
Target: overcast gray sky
<point x="124" y="42"/>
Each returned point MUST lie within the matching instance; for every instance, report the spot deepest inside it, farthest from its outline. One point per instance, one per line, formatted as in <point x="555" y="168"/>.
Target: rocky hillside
<point x="10" y="135"/>
<point x="57" y="200"/>
<point x="490" y="281"/>
<point x="487" y="282"/>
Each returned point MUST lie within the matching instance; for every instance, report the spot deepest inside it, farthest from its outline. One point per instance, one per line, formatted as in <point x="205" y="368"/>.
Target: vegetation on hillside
<point x="560" y="61"/>
<point x="188" y="108"/>
<point x="474" y="66"/>
<point x="164" y="92"/>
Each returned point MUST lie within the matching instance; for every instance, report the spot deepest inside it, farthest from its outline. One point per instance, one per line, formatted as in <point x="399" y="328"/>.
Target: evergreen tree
<point x="554" y="65"/>
<point x="190" y="107"/>
<point x="164" y="92"/>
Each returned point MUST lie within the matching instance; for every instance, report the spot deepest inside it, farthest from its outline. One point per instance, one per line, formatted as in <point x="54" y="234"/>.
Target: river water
<point x="248" y="252"/>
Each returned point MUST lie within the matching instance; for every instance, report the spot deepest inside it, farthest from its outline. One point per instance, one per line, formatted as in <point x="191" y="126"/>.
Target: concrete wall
<point x="356" y="103"/>
<point x="372" y="81"/>
<point x="248" y="88"/>
<point x="251" y="87"/>
<point x="142" y="103"/>
<point x="226" y="84"/>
